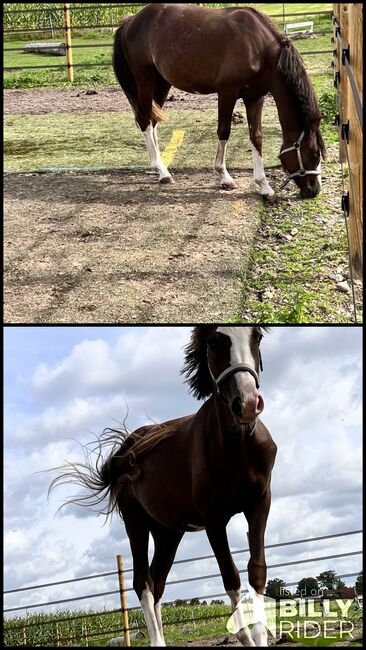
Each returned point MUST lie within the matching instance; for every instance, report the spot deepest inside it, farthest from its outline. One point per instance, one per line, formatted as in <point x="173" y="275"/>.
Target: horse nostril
<point x="236" y="406"/>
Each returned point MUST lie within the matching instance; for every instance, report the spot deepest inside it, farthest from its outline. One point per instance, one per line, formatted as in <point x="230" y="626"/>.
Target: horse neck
<point x="286" y="107"/>
<point x="224" y="426"/>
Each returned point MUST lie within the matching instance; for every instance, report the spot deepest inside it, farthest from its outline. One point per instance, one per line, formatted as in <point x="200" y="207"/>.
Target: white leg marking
<point x="226" y="182"/>
<point x="259" y="174"/>
<point x="157" y="609"/>
<point x="241" y="629"/>
<point x="147" y="604"/>
<point x="151" y="141"/>
<point x="259" y="631"/>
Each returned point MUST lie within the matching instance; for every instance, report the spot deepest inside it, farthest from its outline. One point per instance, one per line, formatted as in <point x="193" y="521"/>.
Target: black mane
<point x="195" y="366"/>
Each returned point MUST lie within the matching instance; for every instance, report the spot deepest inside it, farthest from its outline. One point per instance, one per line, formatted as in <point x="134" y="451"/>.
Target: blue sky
<point x="64" y="383"/>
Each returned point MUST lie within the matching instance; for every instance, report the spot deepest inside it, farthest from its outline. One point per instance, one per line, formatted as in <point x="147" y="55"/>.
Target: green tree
<point x="327" y="579"/>
<point x="276" y="588"/>
<point x="194" y="601"/>
<point x="308" y="587"/>
<point x="339" y="584"/>
<point x="358" y="585"/>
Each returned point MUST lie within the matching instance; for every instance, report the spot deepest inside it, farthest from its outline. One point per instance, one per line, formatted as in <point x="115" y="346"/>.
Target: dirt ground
<point x="107" y="99"/>
<point x="114" y="246"/>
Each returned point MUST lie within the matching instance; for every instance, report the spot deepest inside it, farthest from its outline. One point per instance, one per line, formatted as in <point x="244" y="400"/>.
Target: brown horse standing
<point x="236" y="53"/>
<point x="195" y="473"/>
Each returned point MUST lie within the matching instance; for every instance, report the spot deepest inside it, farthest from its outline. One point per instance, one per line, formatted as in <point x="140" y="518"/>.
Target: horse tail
<point x="105" y="477"/>
<point x="124" y="73"/>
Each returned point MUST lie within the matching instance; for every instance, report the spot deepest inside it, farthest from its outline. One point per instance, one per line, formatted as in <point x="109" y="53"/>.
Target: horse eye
<point x="212" y="344"/>
<point x="258" y="337"/>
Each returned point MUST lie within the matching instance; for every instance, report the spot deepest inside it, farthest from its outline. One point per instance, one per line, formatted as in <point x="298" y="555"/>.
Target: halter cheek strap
<point x="301" y="171"/>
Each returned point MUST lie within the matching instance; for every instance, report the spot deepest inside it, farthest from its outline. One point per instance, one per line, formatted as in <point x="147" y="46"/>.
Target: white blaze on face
<point x="240" y="351"/>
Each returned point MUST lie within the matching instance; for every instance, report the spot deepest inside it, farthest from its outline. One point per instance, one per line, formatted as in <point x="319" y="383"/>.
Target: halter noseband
<point x="301" y="171"/>
<point x="232" y="370"/>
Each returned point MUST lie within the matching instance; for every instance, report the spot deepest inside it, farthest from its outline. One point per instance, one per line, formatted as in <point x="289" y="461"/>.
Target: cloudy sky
<point x="62" y="384"/>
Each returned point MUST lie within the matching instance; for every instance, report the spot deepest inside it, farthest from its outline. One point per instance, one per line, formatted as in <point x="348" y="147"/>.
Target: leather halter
<point x="232" y="370"/>
<point x="301" y="171"/>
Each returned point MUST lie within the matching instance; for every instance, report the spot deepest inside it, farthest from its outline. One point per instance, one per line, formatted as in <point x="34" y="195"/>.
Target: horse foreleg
<point x="230" y="576"/>
<point x="257" y="570"/>
<point x="226" y="107"/>
<point x="254" y="117"/>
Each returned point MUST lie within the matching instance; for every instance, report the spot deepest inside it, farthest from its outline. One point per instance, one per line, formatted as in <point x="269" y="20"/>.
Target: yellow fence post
<point x="67" y="27"/>
<point x="121" y="580"/>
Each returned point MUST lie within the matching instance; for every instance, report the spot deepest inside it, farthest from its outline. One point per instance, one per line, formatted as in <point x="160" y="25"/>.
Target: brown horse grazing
<point x="195" y="473"/>
<point x="236" y="53"/>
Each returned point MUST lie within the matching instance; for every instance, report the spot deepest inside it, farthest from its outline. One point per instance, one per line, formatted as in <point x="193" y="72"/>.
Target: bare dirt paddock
<point x="115" y="247"/>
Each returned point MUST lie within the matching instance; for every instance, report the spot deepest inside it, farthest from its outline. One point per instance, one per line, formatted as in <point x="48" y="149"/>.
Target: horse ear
<point x="315" y="124"/>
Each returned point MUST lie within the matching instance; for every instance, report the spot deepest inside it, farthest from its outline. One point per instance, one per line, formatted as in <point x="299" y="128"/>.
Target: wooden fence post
<point x="340" y="11"/>
<point x="67" y="27"/>
<point x="58" y="634"/>
<point x="121" y="580"/>
<point x="85" y="633"/>
<point x="355" y="150"/>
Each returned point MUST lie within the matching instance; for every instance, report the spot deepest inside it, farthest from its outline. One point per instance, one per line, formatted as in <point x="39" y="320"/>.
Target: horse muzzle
<point x="247" y="408"/>
<point x="310" y="191"/>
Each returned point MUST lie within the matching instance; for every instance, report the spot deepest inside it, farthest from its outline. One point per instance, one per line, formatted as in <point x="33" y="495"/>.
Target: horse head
<point x="226" y="361"/>
<point x="301" y="160"/>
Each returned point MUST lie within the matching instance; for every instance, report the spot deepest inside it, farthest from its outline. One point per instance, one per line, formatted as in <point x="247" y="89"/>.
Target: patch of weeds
<point x="300" y="247"/>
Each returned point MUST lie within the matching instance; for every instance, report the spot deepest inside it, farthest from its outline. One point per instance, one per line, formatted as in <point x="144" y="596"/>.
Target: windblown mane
<point x="195" y="366"/>
<point x="104" y="477"/>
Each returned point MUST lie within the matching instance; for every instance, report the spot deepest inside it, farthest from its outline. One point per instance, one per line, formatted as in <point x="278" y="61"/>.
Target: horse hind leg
<point x="166" y="542"/>
<point x="147" y="123"/>
<point x="137" y="524"/>
<point x="160" y="95"/>
<point x="227" y="102"/>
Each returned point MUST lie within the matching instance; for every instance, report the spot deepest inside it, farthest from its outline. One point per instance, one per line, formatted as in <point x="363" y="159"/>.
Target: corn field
<point x="79" y="628"/>
<point x="50" y="15"/>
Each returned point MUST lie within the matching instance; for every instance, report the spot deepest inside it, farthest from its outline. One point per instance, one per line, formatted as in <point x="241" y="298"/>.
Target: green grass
<point x="35" y="142"/>
<point x="299" y="245"/>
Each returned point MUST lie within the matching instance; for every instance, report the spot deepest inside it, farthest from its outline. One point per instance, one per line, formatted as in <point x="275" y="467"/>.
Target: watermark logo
<point x="309" y="618"/>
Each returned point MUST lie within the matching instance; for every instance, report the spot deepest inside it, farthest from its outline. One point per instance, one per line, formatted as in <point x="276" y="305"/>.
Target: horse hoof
<point x="269" y="199"/>
<point x="166" y="179"/>
<point x="228" y="185"/>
